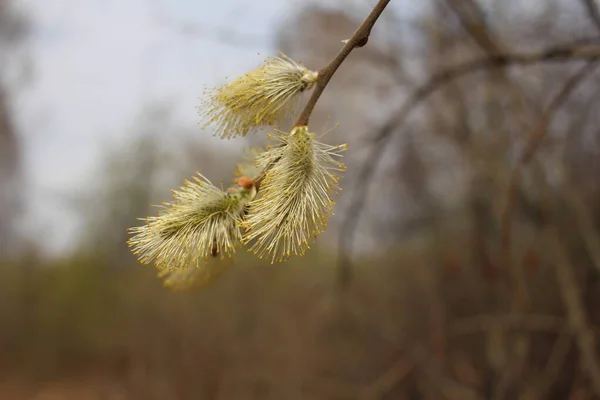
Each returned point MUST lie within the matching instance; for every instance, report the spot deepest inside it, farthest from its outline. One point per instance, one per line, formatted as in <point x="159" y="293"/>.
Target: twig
<point x="593" y="12"/>
<point x="359" y="39"/>
<point x="346" y="238"/>
<point x="472" y="19"/>
<point x="533" y="142"/>
<point x="398" y="120"/>
<point x="571" y="295"/>
<point x="552" y="54"/>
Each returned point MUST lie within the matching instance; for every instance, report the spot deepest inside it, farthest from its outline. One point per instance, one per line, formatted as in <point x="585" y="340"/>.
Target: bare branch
<point x="533" y="142"/>
<point x="553" y="54"/>
<point x="398" y="120"/>
<point x="359" y="39"/>
<point x="473" y="22"/>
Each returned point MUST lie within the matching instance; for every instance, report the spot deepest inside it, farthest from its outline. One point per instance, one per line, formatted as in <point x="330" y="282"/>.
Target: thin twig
<point x="552" y="54"/>
<point x="350" y="223"/>
<point x="359" y="39"/>
<point x="534" y="140"/>
<point x="472" y="20"/>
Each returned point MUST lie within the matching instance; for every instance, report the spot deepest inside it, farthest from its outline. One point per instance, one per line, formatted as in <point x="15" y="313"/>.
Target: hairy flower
<point x="295" y="197"/>
<point x="195" y="277"/>
<point x="259" y="98"/>
<point x="203" y="221"/>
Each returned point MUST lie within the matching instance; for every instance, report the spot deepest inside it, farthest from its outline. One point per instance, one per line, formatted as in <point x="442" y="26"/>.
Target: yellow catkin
<point x="261" y="97"/>
<point x="201" y="222"/>
<point x="295" y="198"/>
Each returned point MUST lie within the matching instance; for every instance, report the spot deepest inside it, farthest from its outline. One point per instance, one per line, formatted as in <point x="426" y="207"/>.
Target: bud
<point x="295" y="199"/>
<point x="262" y="97"/>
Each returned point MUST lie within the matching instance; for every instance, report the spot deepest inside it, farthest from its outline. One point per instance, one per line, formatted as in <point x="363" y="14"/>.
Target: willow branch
<point x="359" y="39"/>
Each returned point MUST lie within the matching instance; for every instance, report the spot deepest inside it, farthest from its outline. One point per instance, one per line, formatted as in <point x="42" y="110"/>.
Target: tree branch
<point x="359" y="39"/>
<point x="472" y="20"/>
<point x="494" y="61"/>
<point x="534" y="140"/>
<point x="398" y="120"/>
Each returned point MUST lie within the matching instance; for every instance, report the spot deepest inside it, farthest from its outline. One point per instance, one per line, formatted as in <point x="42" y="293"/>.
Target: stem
<point x="359" y="39"/>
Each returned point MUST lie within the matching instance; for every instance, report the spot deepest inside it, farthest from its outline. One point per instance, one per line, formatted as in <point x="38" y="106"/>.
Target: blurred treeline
<point x="466" y="282"/>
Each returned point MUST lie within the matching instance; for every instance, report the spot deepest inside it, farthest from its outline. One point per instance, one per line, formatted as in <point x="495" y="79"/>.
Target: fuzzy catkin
<point x="202" y="221"/>
<point x="295" y="197"/>
<point x="259" y="98"/>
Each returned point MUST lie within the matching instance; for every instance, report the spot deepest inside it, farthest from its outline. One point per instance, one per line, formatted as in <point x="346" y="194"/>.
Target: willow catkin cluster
<point x="259" y="98"/>
<point x="295" y="195"/>
<point x="191" y="236"/>
<point x="201" y="222"/>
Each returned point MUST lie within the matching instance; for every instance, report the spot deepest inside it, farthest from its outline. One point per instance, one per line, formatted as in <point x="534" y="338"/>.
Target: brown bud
<point x="245" y="182"/>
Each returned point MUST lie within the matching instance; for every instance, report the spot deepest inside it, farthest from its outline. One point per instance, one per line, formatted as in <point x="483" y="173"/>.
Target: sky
<point x="97" y="64"/>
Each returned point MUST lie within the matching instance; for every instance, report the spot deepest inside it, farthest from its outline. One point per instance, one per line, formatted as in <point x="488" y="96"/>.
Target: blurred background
<point x="457" y="269"/>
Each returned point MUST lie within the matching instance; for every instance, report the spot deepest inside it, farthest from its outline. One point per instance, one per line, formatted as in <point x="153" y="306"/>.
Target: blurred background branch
<point x="593" y="12"/>
<point x="441" y="78"/>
